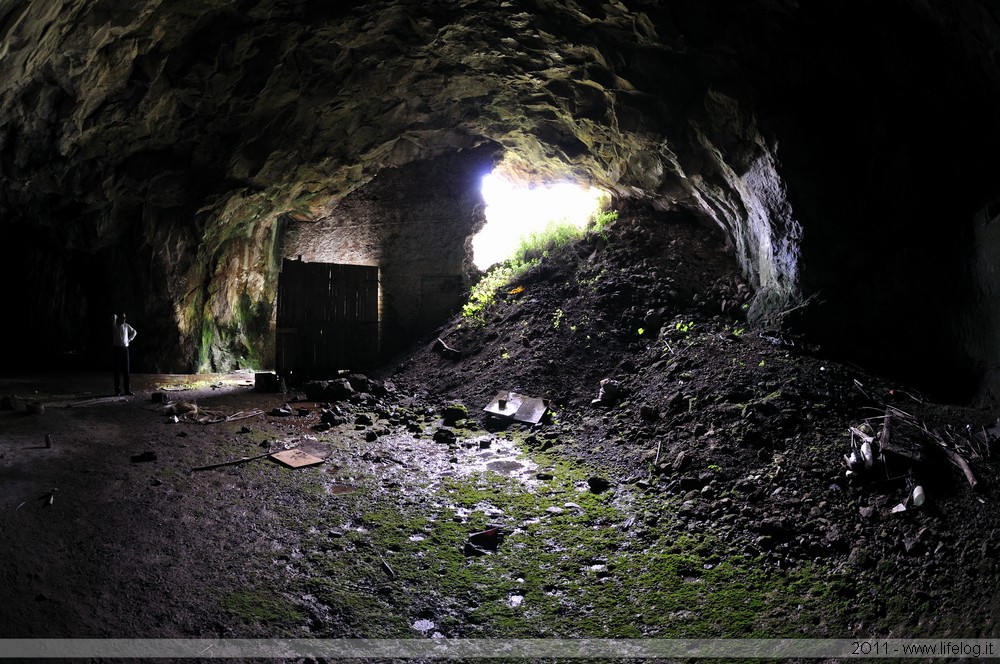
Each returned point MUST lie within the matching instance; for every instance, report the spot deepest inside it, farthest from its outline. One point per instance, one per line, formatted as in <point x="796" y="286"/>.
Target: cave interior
<point x="294" y="185"/>
<point x="167" y="159"/>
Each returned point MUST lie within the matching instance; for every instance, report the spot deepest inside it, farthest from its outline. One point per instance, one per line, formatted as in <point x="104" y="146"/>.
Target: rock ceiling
<point x="170" y="137"/>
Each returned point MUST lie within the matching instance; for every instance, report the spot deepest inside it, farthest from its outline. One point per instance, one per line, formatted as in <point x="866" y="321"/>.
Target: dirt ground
<point x="708" y="498"/>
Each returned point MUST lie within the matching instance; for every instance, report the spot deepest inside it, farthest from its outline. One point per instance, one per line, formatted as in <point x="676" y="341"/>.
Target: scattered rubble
<point x="736" y="446"/>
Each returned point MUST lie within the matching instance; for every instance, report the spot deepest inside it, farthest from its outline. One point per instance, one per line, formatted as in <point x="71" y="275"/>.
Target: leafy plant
<point x="483" y="293"/>
<point x="601" y="219"/>
<point x="530" y="251"/>
<point x="557" y="318"/>
<point x="590" y="282"/>
<point x="684" y="327"/>
<point x="537" y="245"/>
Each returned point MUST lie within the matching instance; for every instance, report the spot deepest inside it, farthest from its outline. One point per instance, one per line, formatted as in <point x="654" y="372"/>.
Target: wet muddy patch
<point x="439" y="548"/>
<point x="402" y="535"/>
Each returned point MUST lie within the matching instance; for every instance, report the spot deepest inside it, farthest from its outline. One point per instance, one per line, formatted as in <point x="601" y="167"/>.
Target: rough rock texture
<point x="151" y="152"/>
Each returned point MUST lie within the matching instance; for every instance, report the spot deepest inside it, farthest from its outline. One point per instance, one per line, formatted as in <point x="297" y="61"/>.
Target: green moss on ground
<point x="567" y="567"/>
<point x="261" y="606"/>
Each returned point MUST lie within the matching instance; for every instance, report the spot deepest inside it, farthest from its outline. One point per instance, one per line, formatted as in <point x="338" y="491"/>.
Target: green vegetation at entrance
<point x="532" y="249"/>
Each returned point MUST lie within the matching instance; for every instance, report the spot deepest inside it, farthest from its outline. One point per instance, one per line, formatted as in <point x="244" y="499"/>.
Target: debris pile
<point x="189" y="411"/>
<point x="354" y="387"/>
<point x="905" y="450"/>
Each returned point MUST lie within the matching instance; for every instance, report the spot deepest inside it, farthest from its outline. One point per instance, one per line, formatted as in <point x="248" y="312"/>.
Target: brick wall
<point x="414" y="222"/>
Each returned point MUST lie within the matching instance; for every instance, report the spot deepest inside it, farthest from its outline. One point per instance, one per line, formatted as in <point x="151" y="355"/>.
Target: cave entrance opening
<point x="327" y="319"/>
<point x="516" y="210"/>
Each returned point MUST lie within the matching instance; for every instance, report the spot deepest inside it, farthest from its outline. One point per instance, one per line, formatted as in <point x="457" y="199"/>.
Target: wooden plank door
<point x="328" y="318"/>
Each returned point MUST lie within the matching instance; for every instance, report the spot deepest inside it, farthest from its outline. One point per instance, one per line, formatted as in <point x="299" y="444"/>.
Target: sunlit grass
<point x="524" y="225"/>
<point x="515" y="212"/>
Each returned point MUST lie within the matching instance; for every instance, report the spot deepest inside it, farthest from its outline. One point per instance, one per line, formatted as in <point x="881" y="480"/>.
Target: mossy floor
<point x="374" y="542"/>
<point x="380" y="551"/>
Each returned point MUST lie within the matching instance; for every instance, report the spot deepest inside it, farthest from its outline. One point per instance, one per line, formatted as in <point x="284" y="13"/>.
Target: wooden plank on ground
<point x="296" y="458"/>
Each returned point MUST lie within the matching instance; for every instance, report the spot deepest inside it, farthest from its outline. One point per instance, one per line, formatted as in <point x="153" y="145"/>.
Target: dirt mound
<point x="746" y="429"/>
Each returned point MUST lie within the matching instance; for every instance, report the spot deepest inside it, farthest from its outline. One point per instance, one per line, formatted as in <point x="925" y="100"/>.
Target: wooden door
<point x="328" y="318"/>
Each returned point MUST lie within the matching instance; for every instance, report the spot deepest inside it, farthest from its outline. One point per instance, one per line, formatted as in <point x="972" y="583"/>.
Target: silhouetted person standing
<point x="122" y="336"/>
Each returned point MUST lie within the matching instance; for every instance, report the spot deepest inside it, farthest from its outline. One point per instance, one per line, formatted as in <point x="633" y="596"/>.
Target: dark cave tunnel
<point x="845" y="151"/>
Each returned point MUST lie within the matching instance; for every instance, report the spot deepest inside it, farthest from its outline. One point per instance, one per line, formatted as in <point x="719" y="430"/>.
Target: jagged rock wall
<point x="165" y="146"/>
<point x="886" y="158"/>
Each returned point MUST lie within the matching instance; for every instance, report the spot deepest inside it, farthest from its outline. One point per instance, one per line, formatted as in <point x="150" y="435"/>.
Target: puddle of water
<point x="498" y="455"/>
<point x="505" y="467"/>
<point x="423" y="625"/>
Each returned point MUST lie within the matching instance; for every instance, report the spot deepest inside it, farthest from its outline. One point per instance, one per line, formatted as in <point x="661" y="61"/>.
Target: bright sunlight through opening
<point x="514" y="211"/>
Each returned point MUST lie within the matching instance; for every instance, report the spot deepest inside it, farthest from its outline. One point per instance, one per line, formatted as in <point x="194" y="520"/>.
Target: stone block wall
<point x="414" y="222"/>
